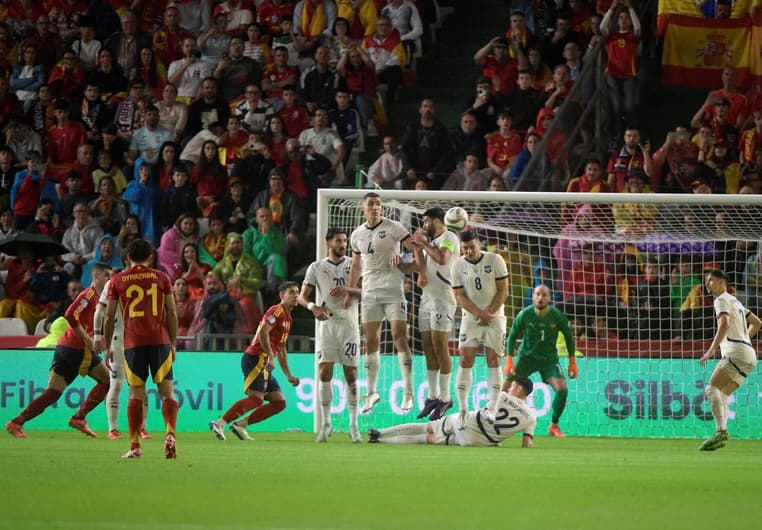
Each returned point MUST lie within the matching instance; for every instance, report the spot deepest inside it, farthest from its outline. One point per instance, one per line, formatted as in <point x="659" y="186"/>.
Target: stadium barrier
<point x="611" y="397"/>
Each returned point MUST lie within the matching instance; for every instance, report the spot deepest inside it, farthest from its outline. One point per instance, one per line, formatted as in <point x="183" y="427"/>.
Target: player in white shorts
<point x="480" y="282"/>
<point x="339" y="333"/>
<point x="436" y="250"/>
<point x="513" y="415"/>
<point x="376" y="257"/>
<point x="735" y="327"/>
<point x="117" y="368"/>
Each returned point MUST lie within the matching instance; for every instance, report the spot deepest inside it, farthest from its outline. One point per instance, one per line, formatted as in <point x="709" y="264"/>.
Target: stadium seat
<point x="39" y="329"/>
<point x="12" y="326"/>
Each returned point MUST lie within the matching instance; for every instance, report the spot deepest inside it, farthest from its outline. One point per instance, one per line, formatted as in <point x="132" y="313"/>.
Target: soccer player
<point x="376" y="250"/>
<point x="74" y="354"/>
<point x="436" y="251"/>
<point x="513" y="415"/>
<point x="144" y="296"/>
<point x="257" y="364"/>
<point x="339" y="335"/>
<point x="480" y="283"/>
<point x="539" y="324"/>
<point x="118" y="373"/>
<point x="735" y="327"/>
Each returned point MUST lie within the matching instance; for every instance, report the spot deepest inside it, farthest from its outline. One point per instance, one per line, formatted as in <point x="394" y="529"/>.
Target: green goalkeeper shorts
<point x="526" y="366"/>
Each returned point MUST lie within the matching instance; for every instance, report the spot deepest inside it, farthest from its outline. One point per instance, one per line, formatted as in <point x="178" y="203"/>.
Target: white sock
<point x="325" y="395"/>
<point x="444" y="386"/>
<point x="405" y="360"/>
<point x="432" y="376"/>
<point x="412" y="439"/>
<point x="372" y="365"/>
<point x="463" y="387"/>
<point x="493" y="382"/>
<point x="404" y="429"/>
<point x="352" y="403"/>
<point x="112" y="402"/>
<point x="718" y="406"/>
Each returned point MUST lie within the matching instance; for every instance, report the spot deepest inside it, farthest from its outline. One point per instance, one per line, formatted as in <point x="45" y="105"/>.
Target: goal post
<point x="628" y="271"/>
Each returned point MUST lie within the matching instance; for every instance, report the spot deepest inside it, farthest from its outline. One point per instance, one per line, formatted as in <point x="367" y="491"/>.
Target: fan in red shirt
<point x="75" y="354"/>
<point x="150" y="331"/>
<point x="503" y="145"/>
<point x="257" y="365"/>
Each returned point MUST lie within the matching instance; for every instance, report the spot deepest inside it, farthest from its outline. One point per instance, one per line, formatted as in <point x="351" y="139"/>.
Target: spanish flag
<point x="697" y="49"/>
<point x="701" y="8"/>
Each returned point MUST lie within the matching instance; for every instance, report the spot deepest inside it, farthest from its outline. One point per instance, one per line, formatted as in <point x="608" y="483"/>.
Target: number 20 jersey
<point x="142" y="293"/>
<point x="324" y="275"/>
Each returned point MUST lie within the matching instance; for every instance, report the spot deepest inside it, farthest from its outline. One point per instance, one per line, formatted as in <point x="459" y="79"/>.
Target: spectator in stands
<point x="10" y="106"/>
<point x="106" y="167"/>
<point x="152" y="73"/>
<point x="725" y="166"/>
<point x="294" y="116"/>
<point x="627" y="274"/>
<point x="192" y="271"/>
<point x="125" y="45"/>
<point x="195" y="15"/>
<point x="541" y="74"/>
<point x="558" y="88"/>
<point x="211" y="248"/>
<point x="739" y="109"/>
<point x="108" y="209"/>
<point x="468" y="176"/>
<point x="168" y="39"/>
<point x="554" y="45"/>
<point x="652" y="303"/>
<point x="256" y="46"/>
<point x="20" y="138"/>
<point x="243" y="276"/>
<point x="29" y="186"/>
<point x="109" y="78"/>
<point x="465" y="140"/>
<point x="325" y="141"/>
<point x="633" y="154"/>
<point x="127" y="114"/>
<point x="426" y="144"/>
<point x="622" y="37"/>
<point x="129" y="232"/>
<point x="320" y="82"/>
<point x="236" y="70"/>
<point x="590" y="282"/>
<point x="264" y="242"/>
<point x="519" y="32"/>
<point x="86" y="47"/>
<point x="209" y="177"/>
<point x="92" y="112"/>
<point x="173" y="241"/>
<point x="218" y="311"/>
<point x="48" y="45"/>
<point x="106" y="251"/>
<point x="312" y="19"/>
<point x="275" y="140"/>
<point x="289" y="213"/>
<point x="189" y="71"/>
<point x="357" y="73"/>
<point x="340" y="42"/>
<point x="6" y="226"/>
<point x="173" y="115"/>
<point x="254" y="167"/>
<point x="591" y="181"/>
<point x="305" y="173"/>
<point x="346" y="120"/>
<point x="524" y="102"/>
<point x="143" y="196"/>
<point x="485" y="106"/>
<point x="405" y="19"/>
<point x="214" y="43"/>
<point x="503" y="146"/>
<point x="720" y="126"/>
<point x="207" y="109"/>
<point x="635" y="220"/>
<point x="83" y="166"/>
<point x="232" y="143"/>
<point x="238" y="16"/>
<point x="750" y="144"/>
<point x="682" y="280"/>
<point x="277" y="76"/>
<point x="386" y="51"/>
<point x="178" y="199"/>
<point x="389" y="169"/>
<point x="535" y="178"/>
<point x="233" y="207"/>
<point x="64" y="139"/>
<point x="254" y="110"/>
<point x="40" y="115"/>
<point x="19" y="301"/>
<point x="73" y="195"/>
<point x="187" y="308"/>
<point x="360" y="15"/>
<point x="80" y="238"/>
<point x="27" y="77"/>
<point x="146" y="142"/>
<point x="573" y="59"/>
<point x="46" y="221"/>
<point x="697" y="316"/>
<point x="667" y="159"/>
<point x="7" y="174"/>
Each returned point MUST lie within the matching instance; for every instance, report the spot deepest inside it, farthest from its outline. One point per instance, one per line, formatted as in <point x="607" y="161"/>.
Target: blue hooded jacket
<point x="144" y="202"/>
<point x="115" y="261"/>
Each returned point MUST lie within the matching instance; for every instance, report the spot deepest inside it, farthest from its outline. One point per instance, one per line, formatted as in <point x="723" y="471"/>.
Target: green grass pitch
<point x="284" y="480"/>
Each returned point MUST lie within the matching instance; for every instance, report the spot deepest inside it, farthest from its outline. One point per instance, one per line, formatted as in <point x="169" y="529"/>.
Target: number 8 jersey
<point x="142" y="292"/>
<point x="479" y="280"/>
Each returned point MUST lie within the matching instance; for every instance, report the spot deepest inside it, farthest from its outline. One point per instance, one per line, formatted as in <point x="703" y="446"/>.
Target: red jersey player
<point x="257" y="365"/>
<point x="150" y="331"/>
<point x="73" y="355"/>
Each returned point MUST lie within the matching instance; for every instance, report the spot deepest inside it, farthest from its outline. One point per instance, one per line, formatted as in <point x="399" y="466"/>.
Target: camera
<point x="481" y="92"/>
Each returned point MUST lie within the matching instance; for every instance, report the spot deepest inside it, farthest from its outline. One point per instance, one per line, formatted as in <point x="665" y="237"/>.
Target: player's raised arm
<point x="754" y="324"/>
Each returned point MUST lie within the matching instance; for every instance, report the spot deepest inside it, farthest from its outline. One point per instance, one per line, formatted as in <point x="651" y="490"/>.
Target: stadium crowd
<point x="207" y="128"/>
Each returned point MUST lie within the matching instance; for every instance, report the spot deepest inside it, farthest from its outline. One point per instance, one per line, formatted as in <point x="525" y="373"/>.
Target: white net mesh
<point x="628" y="272"/>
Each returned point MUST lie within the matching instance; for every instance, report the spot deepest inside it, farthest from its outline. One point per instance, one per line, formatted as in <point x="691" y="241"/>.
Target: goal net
<point x="627" y="269"/>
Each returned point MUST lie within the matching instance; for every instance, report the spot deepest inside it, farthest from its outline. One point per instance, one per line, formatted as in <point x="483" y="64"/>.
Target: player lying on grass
<point x="512" y="415"/>
<point x="735" y="327"/>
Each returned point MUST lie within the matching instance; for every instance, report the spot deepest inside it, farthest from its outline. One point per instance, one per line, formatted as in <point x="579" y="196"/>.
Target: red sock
<point x="135" y="420"/>
<point x="241" y="407"/>
<point x="37" y="405"/>
<point x="169" y="411"/>
<point x="96" y="395"/>
<point x="265" y="411"/>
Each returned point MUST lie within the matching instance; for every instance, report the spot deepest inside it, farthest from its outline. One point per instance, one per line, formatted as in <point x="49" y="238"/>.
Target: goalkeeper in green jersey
<point x="539" y="326"/>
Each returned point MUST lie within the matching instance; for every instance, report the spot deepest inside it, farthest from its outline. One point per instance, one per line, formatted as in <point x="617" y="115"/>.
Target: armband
<point x="311" y="306"/>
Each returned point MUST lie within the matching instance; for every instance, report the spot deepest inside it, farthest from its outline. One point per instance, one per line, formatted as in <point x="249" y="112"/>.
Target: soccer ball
<point x="456" y="218"/>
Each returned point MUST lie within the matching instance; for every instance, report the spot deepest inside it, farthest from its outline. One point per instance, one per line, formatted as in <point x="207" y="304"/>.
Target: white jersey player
<point x="376" y="257"/>
<point x="512" y="415"/>
<point x="735" y="327"/>
<point x="339" y="333"/>
<point x="118" y="373"/>
<point x="437" y="249"/>
<point x="480" y="283"/>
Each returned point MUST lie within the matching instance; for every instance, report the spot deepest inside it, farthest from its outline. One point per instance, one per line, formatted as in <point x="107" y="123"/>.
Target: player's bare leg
<point x="98" y="393"/>
<point x="718" y="390"/>
<point x="493" y="383"/>
<point x="432" y="375"/>
<point x="325" y="397"/>
<point x="56" y="386"/>
<point x="405" y="360"/>
<point x="350" y="375"/>
<point x="558" y="384"/>
<point x="372" y="332"/>
<point x="463" y="382"/>
<point x="169" y="411"/>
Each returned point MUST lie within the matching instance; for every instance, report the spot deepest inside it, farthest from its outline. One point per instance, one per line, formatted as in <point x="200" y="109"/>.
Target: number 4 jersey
<point x="142" y="292"/>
